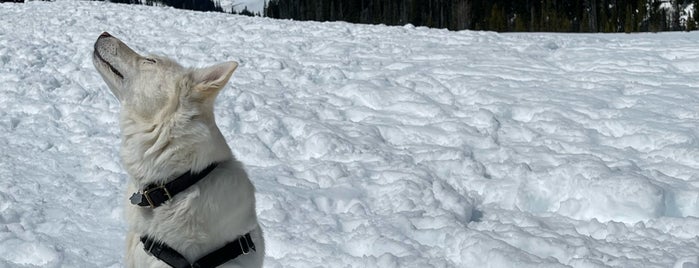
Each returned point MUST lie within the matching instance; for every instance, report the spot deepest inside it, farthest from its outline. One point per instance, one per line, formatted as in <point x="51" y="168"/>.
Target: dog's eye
<point x="149" y="60"/>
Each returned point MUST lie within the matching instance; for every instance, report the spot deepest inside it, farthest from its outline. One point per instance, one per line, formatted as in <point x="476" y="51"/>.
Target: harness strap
<point x="155" y="195"/>
<point x="164" y="253"/>
<point x="241" y="246"/>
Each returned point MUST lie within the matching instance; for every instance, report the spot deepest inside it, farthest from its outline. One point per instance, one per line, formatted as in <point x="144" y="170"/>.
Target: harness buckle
<point x="154" y="249"/>
<point x="150" y="201"/>
<point x="247" y="245"/>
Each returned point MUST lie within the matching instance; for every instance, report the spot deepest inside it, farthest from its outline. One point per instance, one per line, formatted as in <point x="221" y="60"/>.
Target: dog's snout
<point x="105" y="34"/>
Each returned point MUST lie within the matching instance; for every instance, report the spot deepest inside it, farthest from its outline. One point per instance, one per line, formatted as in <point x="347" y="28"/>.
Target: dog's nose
<point x="105" y="34"/>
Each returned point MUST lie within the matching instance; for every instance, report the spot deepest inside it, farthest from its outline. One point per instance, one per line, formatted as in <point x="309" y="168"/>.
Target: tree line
<point x="500" y="15"/>
<point x="490" y="15"/>
<point x="198" y="5"/>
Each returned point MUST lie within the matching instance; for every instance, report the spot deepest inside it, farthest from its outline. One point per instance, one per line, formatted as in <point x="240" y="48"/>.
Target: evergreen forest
<point x="490" y="15"/>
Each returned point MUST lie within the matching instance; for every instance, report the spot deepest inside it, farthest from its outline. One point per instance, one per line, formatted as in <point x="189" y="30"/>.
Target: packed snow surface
<point x="370" y="146"/>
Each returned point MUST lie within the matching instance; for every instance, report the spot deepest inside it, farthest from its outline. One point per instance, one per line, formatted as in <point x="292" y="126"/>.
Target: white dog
<point x="193" y="204"/>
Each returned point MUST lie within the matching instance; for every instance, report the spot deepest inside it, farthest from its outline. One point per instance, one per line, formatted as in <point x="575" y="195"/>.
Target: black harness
<point x="155" y="195"/>
<point x="241" y="246"/>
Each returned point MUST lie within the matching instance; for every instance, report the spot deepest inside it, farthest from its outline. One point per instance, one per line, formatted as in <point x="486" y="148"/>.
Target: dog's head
<point x="151" y="87"/>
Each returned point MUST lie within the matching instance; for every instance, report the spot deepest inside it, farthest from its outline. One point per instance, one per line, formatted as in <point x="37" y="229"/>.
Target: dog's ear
<point x="211" y="79"/>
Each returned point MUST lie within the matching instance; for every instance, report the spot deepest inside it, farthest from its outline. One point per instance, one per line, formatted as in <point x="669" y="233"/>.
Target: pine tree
<point x="246" y="12"/>
<point x="691" y="24"/>
<point x="585" y="22"/>
<point x="460" y="14"/>
<point x="693" y="16"/>
<point x="591" y="6"/>
<point x="629" y="20"/>
<point x="497" y="21"/>
<point x="654" y="20"/>
<point x="520" y="24"/>
<point x="642" y="16"/>
<point x="675" y="21"/>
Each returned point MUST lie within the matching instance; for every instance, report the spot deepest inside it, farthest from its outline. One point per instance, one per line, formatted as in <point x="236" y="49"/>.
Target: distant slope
<point x="254" y="6"/>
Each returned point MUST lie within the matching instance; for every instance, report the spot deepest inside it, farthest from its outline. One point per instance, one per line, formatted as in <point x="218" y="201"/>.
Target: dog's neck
<point x="153" y="153"/>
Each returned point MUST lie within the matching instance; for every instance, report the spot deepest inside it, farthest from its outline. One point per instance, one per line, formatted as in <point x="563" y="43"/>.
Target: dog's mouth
<point x="111" y="68"/>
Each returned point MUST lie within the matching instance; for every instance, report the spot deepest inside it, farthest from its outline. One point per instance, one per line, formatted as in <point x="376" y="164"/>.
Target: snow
<point x="370" y="146"/>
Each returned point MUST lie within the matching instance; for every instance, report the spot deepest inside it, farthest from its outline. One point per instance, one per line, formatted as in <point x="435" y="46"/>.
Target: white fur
<point x="168" y="128"/>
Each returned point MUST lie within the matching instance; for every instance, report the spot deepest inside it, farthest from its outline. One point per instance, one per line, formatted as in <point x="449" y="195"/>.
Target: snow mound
<point x="370" y="146"/>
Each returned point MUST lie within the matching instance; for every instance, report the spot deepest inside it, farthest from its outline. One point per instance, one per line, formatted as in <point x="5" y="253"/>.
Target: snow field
<point x="370" y="146"/>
